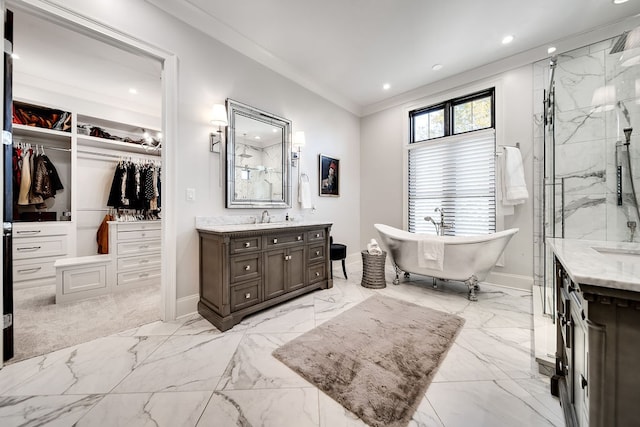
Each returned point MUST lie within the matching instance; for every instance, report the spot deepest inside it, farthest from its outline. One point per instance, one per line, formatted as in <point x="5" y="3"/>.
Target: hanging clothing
<point x="25" y="181"/>
<point x="102" y="235"/>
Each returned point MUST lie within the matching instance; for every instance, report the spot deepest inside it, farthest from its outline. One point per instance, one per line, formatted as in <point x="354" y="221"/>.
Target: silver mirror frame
<point x="235" y="109"/>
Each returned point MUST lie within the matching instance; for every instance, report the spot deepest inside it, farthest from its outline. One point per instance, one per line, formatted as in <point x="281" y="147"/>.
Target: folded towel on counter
<point x="513" y="187"/>
<point x="304" y="192"/>
<point x="431" y="254"/>
<point x="373" y="248"/>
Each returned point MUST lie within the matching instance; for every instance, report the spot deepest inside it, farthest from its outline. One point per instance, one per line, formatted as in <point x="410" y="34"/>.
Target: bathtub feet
<point x="472" y="283"/>
<point x="406" y="275"/>
<point x="434" y="283"/>
<point x="396" y="281"/>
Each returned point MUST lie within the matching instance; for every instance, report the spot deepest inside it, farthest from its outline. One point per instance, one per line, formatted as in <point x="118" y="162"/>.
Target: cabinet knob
<point x="299" y="237"/>
<point x="247" y="267"/>
<point x="143" y="234"/>
<point x="275" y="240"/>
<point x="317" y="235"/>
<point x="247" y="245"/>
<point x="317" y="253"/>
<point x="317" y="274"/>
<point x="247" y="295"/>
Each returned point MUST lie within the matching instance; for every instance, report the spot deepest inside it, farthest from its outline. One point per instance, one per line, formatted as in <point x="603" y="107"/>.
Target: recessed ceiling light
<point x="619" y="1"/>
<point x="133" y="91"/>
<point x="551" y="50"/>
<point x="437" y="67"/>
<point x="507" y="39"/>
<point x="386" y="86"/>
<point x="256" y="137"/>
<point x="15" y="56"/>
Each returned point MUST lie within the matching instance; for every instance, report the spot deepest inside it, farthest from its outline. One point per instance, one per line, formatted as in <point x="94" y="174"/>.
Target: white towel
<point x="373" y="248"/>
<point x="304" y="192"/>
<point x="431" y="254"/>
<point x="513" y="186"/>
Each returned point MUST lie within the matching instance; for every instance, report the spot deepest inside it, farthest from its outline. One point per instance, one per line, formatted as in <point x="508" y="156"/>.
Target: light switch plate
<point x="191" y="194"/>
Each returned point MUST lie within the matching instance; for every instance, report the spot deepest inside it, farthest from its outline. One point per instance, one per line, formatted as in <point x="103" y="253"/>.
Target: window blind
<point x="456" y="174"/>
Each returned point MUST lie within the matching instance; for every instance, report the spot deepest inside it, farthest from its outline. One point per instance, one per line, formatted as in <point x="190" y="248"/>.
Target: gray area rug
<point x="42" y="326"/>
<point x="376" y="359"/>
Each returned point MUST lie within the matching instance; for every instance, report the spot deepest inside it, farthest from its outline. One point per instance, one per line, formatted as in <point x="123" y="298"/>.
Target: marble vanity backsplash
<point x="209" y="221"/>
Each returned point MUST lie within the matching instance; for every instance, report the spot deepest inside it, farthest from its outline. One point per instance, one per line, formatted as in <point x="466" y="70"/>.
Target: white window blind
<point x="456" y="174"/>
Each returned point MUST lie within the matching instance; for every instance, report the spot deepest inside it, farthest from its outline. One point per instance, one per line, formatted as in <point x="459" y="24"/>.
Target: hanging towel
<point x="304" y="192"/>
<point x="513" y="186"/>
<point x="431" y="254"/>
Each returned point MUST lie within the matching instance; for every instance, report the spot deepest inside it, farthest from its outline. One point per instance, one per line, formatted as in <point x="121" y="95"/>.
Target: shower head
<point x="628" y="41"/>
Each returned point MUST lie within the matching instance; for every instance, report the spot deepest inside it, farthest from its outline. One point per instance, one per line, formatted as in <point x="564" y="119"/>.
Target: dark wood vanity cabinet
<point x="242" y="272"/>
<point x="597" y="374"/>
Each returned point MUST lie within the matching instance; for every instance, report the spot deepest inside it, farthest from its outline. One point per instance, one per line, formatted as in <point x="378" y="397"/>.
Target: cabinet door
<point x="274" y="273"/>
<point x="580" y="384"/>
<point x="295" y="268"/>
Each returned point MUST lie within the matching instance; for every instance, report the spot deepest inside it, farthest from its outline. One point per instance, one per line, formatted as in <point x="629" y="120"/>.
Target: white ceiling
<point x="346" y="50"/>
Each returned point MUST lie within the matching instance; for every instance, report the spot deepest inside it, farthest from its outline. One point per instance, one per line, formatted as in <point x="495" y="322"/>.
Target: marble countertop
<point x="231" y="228"/>
<point x="614" y="265"/>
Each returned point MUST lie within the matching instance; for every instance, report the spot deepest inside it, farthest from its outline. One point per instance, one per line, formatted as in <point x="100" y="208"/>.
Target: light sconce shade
<point x="218" y="118"/>
<point x="299" y="141"/>
<point x="604" y="99"/>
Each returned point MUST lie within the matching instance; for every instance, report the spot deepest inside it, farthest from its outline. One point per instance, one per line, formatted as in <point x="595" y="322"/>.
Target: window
<point x="452" y="166"/>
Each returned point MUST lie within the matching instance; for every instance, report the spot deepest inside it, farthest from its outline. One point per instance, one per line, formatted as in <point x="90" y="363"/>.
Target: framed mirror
<point x="258" y="158"/>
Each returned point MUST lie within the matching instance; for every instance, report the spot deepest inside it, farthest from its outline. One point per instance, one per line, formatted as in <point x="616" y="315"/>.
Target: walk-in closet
<point x="87" y="167"/>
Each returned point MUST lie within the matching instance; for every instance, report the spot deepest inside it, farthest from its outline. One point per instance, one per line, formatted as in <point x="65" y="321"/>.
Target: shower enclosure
<point x="587" y="159"/>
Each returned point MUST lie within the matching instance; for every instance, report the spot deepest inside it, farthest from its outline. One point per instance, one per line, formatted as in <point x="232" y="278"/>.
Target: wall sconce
<point x="218" y="118"/>
<point x="298" y="142"/>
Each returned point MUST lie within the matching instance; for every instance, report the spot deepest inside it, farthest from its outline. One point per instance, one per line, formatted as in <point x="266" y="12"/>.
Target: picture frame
<point x="329" y="173"/>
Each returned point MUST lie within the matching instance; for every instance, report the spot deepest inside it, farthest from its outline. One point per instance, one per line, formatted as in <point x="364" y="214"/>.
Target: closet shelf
<point x="92" y="141"/>
<point x="24" y="131"/>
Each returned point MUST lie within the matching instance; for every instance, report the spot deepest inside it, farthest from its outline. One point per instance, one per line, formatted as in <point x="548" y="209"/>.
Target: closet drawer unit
<point x="245" y="244"/>
<point x="245" y="295"/>
<point x="136" y="248"/>
<point x="139" y="262"/>
<point x="315" y="235"/>
<point x="284" y="239"/>
<point x="138" y="235"/>
<point x="33" y="269"/>
<point x="245" y="267"/>
<point x="37" y="247"/>
<point x="317" y="273"/>
<point x="138" y="278"/>
<point x="84" y="279"/>
<point x="38" y="229"/>
<point x="138" y="226"/>
<point x="316" y="253"/>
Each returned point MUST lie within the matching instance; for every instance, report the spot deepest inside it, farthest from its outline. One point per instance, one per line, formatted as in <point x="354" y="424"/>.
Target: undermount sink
<point x="620" y="255"/>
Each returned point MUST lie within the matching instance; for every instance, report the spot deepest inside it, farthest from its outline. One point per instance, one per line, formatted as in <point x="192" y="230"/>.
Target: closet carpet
<point x="42" y="326"/>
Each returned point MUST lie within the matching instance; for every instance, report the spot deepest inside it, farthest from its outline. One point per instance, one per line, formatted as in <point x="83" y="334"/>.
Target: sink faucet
<point x="265" y="216"/>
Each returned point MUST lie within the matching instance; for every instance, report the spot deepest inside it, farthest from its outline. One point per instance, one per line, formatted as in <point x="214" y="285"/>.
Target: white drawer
<point x="36" y="247"/>
<point x="36" y="229"/>
<point x="84" y="279"/>
<point x="139" y="262"/>
<point x="136" y="248"/>
<point x="138" y="234"/>
<point x="139" y="278"/>
<point x="30" y="269"/>
<point x="137" y="226"/>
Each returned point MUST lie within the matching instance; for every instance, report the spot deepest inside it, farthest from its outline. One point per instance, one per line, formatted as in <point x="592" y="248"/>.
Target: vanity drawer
<point x="284" y="239"/>
<point x="138" y="235"/>
<point x="135" y="248"/>
<point x="315" y="235"/>
<point x="245" y="267"/>
<point x="245" y="244"/>
<point x="245" y="295"/>
<point x="317" y="273"/>
<point x="36" y="247"/>
<point x="138" y="262"/>
<point x="316" y="253"/>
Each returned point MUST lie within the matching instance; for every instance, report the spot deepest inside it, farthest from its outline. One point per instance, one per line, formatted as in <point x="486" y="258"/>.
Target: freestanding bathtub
<point x="468" y="259"/>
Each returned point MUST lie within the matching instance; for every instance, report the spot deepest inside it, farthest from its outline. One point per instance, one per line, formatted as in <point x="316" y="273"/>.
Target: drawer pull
<point x="30" y="248"/>
<point x="247" y="295"/>
<point x="317" y="253"/>
<point x="247" y="245"/>
<point x="275" y="240"/>
<point x="144" y="246"/>
<point x="143" y="234"/>
<point x="143" y="274"/>
<point x="317" y="274"/>
<point x="28" y="231"/>
<point x="247" y="267"/>
<point x="583" y="381"/>
<point x="287" y="257"/>
<point x="299" y="237"/>
<point x="30" y="270"/>
<point x="317" y="235"/>
<point x="143" y="261"/>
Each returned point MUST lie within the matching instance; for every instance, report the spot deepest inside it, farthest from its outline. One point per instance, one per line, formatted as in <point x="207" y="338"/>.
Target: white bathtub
<point x="467" y="259"/>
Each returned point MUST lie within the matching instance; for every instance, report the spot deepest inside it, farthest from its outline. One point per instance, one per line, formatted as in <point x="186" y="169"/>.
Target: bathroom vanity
<point x="597" y="374"/>
<point x="245" y="268"/>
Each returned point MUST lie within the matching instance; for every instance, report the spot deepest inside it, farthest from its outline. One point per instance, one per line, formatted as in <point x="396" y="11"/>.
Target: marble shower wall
<point x="584" y="153"/>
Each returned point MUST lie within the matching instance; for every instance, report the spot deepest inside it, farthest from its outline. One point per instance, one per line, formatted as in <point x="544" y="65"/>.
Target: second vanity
<point x="597" y="374"/>
<point x="245" y="268"/>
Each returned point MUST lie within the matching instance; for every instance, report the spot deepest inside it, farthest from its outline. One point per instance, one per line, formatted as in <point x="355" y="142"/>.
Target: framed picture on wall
<point x="329" y="176"/>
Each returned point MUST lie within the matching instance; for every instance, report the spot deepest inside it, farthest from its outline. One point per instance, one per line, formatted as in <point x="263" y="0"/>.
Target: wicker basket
<point x="373" y="270"/>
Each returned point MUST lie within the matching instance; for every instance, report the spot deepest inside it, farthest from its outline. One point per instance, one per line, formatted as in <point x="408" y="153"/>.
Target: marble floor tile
<point x="297" y="315"/>
<point x="196" y="325"/>
<point x="269" y="408"/>
<point x="147" y="409"/>
<point x="333" y="414"/>
<point x="155" y="328"/>
<point x="52" y="411"/>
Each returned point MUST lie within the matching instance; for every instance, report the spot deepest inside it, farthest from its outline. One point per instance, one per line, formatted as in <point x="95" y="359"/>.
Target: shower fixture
<point x="629" y="42"/>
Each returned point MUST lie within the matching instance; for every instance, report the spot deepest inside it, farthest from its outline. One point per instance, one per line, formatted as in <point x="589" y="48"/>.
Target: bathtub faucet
<point x="442" y="226"/>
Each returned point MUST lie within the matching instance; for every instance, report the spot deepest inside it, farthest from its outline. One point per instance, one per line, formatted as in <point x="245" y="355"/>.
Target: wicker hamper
<point x="373" y="270"/>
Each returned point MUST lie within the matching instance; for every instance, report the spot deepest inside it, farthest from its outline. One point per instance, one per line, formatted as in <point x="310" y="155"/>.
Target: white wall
<point x="382" y="153"/>
<point x="209" y="72"/>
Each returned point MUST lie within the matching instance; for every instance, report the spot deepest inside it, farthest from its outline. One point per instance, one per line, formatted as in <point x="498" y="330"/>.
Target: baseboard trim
<point x="187" y="306"/>
<point x="507" y="280"/>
